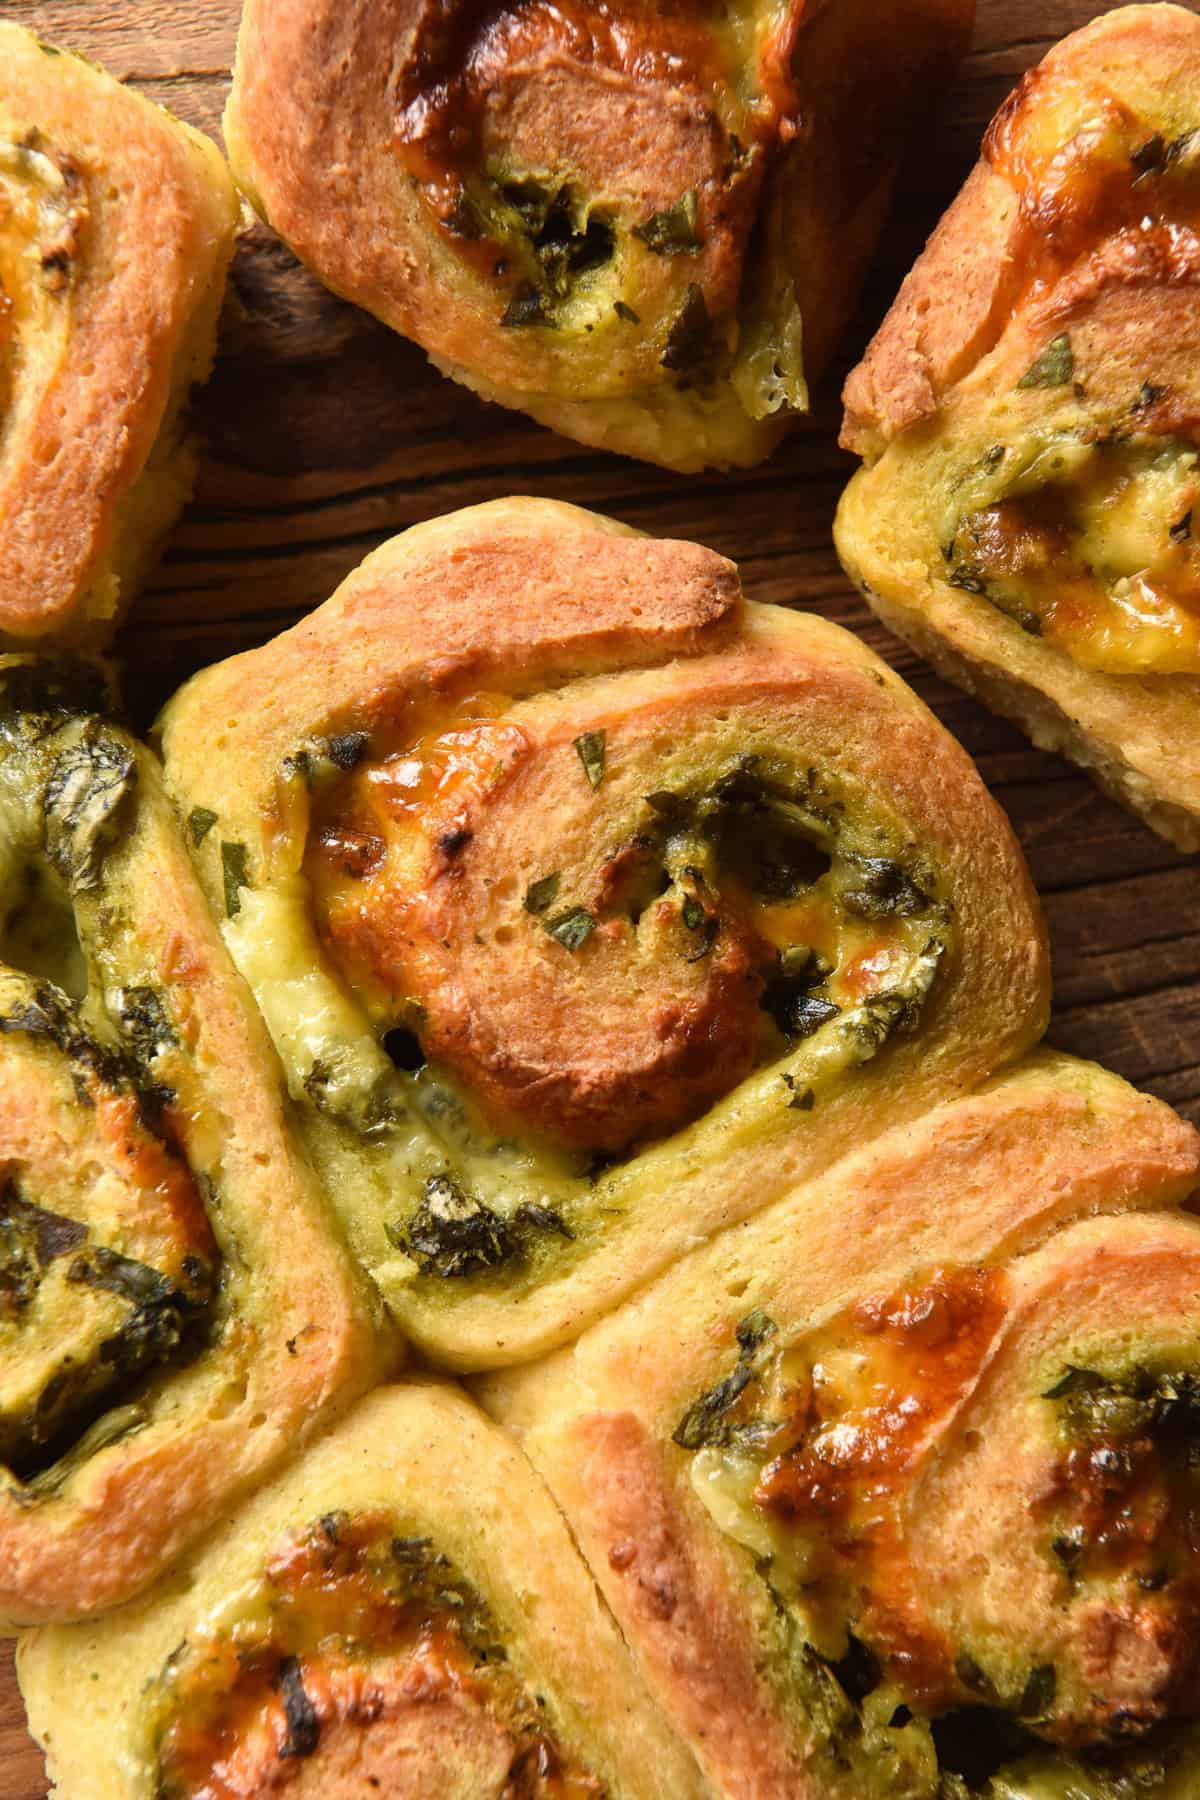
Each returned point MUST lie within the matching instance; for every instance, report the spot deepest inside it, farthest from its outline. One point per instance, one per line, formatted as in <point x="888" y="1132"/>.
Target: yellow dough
<point x="402" y="1612"/>
<point x="891" y="1489"/>
<point x="176" y="1311"/>
<point x="589" y="907"/>
<point x="643" y="223"/>
<point x="1029" y="418"/>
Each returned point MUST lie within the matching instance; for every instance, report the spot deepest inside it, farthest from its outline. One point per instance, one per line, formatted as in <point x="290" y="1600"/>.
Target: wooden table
<point x="326" y="434"/>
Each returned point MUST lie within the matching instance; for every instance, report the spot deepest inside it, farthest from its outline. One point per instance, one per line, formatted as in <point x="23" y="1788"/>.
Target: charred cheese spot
<point x="822" y="1455"/>
<point x="362" y="1659"/>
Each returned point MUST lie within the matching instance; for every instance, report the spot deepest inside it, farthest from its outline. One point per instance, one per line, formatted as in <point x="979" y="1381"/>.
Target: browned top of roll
<point x="1074" y="213"/>
<point x="116" y="223"/>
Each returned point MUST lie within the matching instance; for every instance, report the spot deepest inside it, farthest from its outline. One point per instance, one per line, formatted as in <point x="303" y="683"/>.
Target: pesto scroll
<point x="373" y="1622"/>
<point x="588" y="907"/>
<point x="894" y="1490"/>
<point x="1029" y="417"/>
<point x="116" y="230"/>
<point x="643" y="223"/>
<point x="156" y="1360"/>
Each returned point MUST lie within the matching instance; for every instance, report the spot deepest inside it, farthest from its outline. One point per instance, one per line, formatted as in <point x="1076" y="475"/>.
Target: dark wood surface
<point x="326" y="434"/>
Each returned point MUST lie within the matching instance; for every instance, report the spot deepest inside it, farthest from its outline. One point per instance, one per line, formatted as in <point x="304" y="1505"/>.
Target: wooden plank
<point x="349" y="435"/>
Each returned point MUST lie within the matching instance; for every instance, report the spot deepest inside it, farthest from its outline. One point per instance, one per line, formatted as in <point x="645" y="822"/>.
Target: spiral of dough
<point x="116" y="230"/>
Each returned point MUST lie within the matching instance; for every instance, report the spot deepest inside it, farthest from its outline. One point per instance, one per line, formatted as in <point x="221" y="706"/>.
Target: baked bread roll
<point x="174" y="1311"/>
<point x="588" y="907"/>
<point x="116" y="230"/>
<point x="402" y="1612"/>
<point x="1029" y="416"/>
<point x="642" y="223"/>
<point x="893" y="1490"/>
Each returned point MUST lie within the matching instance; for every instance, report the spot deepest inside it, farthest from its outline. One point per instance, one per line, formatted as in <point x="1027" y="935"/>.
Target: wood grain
<point x="326" y="434"/>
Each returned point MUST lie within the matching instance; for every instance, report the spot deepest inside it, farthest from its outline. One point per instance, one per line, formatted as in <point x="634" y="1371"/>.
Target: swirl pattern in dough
<point x="401" y="1612"/>
<point x="642" y="223"/>
<point x="174" y="1309"/>
<point x="893" y="1490"/>
<point x="1029" y="415"/>
<point x="116" y="230"/>
<point x="588" y="906"/>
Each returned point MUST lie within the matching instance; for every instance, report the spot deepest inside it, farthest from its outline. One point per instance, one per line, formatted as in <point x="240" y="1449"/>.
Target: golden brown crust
<point x="397" y="1460"/>
<point x="572" y="192"/>
<point x="601" y="849"/>
<point x="1052" y="1194"/>
<point x="678" y="1606"/>
<point x="294" y="1335"/>
<point x="116" y="228"/>
<point x="985" y="256"/>
<point x="1077" y="237"/>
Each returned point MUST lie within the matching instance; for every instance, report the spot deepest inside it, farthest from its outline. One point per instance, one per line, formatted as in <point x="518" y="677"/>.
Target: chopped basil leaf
<point x="1148" y="396"/>
<point x="542" y="894"/>
<point x="543" y="1218"/>
<point x="802" y="1101"/>
<point x="1075" y="1381"/>
<point x="967" y="580"/>
<point x="1037" y="1697"/>
<point x="671" y="232"/>
<point x="702" y="1423"/>
<point x="1150" y="158"/>
<point x="807" y="1014"/>
<point x="590" y="748"/>
<point x="1012" y="609"/>
<point x="1068" y="1550"/>
<point x="200" y="820"/>
<point x="884" y="890"/>
<point x="452" y="1234"/>
<point x="236" y="875"/>
<point x="88" y="787"/>
<point x="525" y="307"/>
<point x="121" y="1275"/>
<point x="144" y="1022"/>
<point x="626" y="312"/>
<point x="572" y="928"/>
<point x="690" y="346"/>
<point x="708" y="937"/>
<point x="694" y="914"/>
<point x="1055" y="367"/>
<point x="754" y="1329"/>
<point x="30" y="1240"/>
